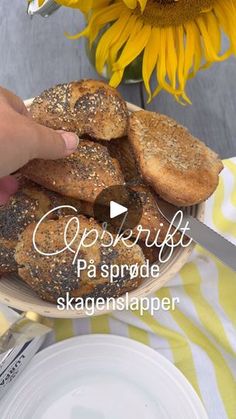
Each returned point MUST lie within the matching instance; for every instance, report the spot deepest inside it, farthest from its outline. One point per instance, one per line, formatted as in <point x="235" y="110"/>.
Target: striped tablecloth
<point x="199" y="336"/>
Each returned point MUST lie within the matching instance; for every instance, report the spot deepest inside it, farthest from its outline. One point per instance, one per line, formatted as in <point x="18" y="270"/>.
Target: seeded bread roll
<point x="29" y="204"/>
<point x="83" y="175"/>
<point x="52" y="276"/>
<point x="20" y="211"/>
<point x="123" y="152"/>
<point x="87" y="107"/>
<point x="180" y="168"/>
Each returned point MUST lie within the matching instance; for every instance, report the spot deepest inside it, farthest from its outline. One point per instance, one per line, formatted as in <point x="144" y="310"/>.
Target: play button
<point x="119" y="207"/>
<point x="116" y="209"/>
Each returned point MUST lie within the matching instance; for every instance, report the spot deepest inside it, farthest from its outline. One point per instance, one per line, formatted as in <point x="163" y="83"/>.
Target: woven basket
<point x="16" y="294"/>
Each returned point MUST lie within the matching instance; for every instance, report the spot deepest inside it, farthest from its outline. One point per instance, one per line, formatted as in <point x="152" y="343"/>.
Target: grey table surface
<point x="35" y="55"/>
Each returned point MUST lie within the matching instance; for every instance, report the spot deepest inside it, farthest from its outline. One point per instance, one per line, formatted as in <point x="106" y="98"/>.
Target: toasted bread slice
<point x="83" y="175"/>
<point x="179" y="167"/>
<point x="52" y="276"/>
<point x="87" y="107"/>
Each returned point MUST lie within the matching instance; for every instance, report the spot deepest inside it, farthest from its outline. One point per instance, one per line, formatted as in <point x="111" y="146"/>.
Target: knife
<point x="200" y="233"/>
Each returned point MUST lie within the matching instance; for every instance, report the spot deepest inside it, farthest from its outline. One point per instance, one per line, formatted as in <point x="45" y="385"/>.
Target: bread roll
<point x="30" y="203"/>
<point x="83" y="175"/>
<point x="87" y="107"/>
<point x="52" y="277"/>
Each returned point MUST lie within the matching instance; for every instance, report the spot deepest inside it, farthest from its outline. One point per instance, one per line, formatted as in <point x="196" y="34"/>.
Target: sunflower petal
<point x="150" y="56"/>
<point x="116" y="78"/>
<point x="161" y="68"/>
<point x="109" y="38"/>
<point x="134" y="46"/>
<point x="171" y="57"/>
<point x="120" y="65"/>
<point x="116" y="47"/>
<point x="143" y="4"/>
<point x="99" y="18"/>
<point x="209" y="49"/>
<point x="132" y="4"/>
<point x="214" y="29"/>
<point x="227" y="20"/>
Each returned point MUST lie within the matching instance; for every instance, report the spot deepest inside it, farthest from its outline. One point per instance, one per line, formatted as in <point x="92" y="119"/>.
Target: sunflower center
<point x="173" y="12"/>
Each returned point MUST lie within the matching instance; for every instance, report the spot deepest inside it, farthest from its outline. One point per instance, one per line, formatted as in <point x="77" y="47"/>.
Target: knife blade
<point x="200" y="233"/>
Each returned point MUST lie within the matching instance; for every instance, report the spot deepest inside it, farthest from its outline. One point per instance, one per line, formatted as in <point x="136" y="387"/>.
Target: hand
<point x="22" y="139"/>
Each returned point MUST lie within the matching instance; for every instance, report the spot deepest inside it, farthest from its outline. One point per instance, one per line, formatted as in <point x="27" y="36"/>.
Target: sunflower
<point x="175" y="38"/>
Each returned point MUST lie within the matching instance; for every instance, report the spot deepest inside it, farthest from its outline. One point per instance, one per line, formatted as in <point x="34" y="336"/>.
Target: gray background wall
<point x="35" y="55"/>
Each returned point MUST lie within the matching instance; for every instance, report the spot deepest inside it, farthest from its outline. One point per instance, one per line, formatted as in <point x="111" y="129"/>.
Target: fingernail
<point x="71" y="141"/>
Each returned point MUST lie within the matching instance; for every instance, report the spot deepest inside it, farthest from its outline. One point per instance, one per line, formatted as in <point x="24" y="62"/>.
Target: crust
<point x="151" y="218"/>
<point x="123" y="152"/>
<point x="87" y="107"/>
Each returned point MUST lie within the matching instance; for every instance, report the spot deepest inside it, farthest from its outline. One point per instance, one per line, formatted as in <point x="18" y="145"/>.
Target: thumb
<point x="50" y="144"/>
<point x="22" y="139"/>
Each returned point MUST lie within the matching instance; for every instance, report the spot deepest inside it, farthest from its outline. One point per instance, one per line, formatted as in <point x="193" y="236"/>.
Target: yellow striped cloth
<point x="199" y="336"/>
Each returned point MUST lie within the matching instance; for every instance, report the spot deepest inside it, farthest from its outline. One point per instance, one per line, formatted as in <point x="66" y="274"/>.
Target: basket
<point x="15" y="293"/>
